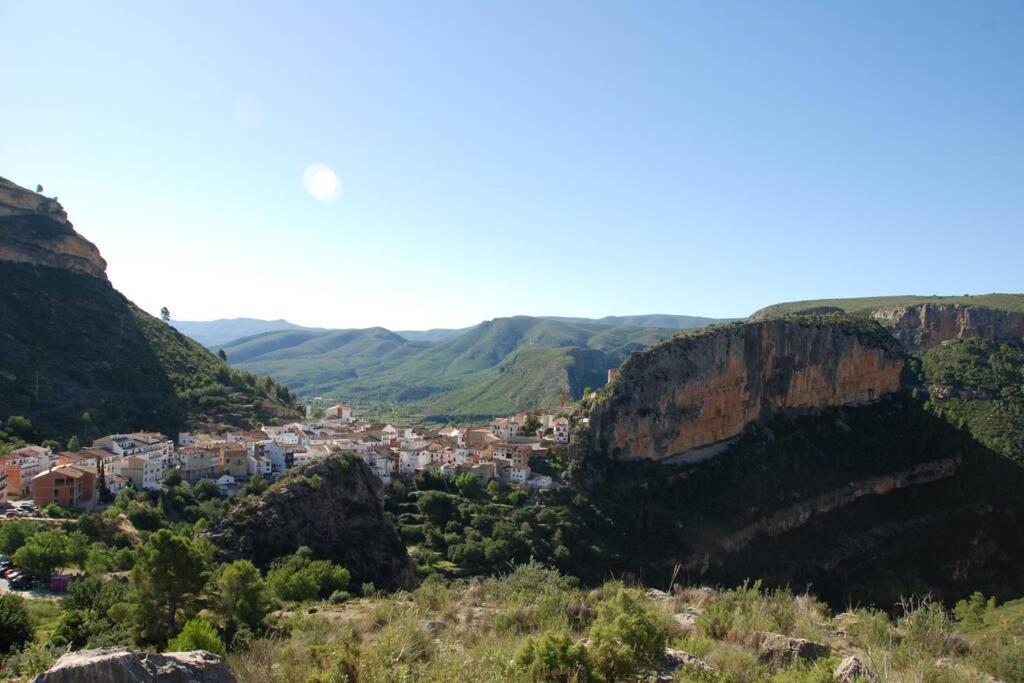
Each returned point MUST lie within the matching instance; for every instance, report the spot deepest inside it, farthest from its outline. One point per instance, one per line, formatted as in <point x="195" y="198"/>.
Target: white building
<point x="561" y="429"/>
<point x="338" y="412"/>
<point x="505" y="428"/>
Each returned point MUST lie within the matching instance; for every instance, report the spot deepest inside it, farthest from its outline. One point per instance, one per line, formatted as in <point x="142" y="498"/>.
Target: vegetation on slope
<point x="78" y="358"/>
<point x="496" y="367"/>
<point x="1006" y="302"/>
<point x="978" y="386"/>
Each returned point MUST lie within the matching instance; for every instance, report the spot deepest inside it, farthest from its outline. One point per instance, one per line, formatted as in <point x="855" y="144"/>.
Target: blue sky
<point x="549" y="158"/>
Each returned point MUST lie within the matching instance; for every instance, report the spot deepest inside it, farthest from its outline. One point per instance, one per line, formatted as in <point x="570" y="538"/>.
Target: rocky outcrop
<point x="926" y="325"/>
<point x="853" y="670"/>
<point x="698" y="390"/>
<point x="678" y="664"/>
<point x="35" y="229"/>
<point x="121" y="665"/>
<point x="334" y="506"/>
<point x="783" y="650"/>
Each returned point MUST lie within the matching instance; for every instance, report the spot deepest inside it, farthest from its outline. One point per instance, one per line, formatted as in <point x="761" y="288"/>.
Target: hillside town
<point x="501" y="450"/>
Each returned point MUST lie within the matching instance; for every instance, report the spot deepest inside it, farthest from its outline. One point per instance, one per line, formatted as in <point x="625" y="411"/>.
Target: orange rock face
<point x="692" y="392"/>
<point x="926" y="325"/>
<point x="35" y="229"/>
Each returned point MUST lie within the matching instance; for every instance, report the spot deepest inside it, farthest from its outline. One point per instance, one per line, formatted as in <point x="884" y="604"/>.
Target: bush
<point x="555" y="657"/>
<point x="15" y="626"/>
<point x="198" y="634"/>
<point x="297" y="578"/>
<point x="627" y="634"/>
<point x="144" y="517"/>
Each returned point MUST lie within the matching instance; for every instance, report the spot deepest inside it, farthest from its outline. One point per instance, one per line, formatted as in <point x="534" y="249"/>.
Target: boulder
<point x="677" y="660"/>
<point x="851" y="670"/>
<point x="121" y="665"/>
<point x="779" y="649"/>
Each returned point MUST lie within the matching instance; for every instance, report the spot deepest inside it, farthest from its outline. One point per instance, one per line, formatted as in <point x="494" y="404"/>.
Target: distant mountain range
<point x="212" y="333"/>
<point x="498" y="366"/>
<point x="216" y="332"/>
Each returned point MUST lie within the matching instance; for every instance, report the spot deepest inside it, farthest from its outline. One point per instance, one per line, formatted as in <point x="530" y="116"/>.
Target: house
<point x="19" y="466"/>
<point x="227" y="485"/>
<point x="517" y="475"/>
<point x="197" y="463"/>
<point x="561" y="430"/>
<point x="338" y="412"/>
<point x="69" y="486"/>
<point x="505" y="428"/>
<point x="234" y="461"/>
<point x="136" y="443"/>
<point x="144" y="473"/>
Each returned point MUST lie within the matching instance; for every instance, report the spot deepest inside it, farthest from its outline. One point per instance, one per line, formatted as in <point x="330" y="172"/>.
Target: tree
<point x="241" y="598"/>
<point x="531" y="425"/>
<point x="222" y="354"/>
<point x="256" y="485"/>
<point x="20" y="426"/>
<point x="39" y="189"/>
<point x="43" y="552"/>
<point x="198" y="634"/>
<point x="169" y="573"/>
<point x="165" y="314"/>
<point x="468" y="485"/>
<point x="14" y="534"/>
<point x="74" y="444"/>
<point x="15" y="626"/>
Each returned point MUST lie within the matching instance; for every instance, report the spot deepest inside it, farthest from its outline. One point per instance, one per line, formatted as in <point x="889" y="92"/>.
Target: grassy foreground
<point x="534" y="624"/>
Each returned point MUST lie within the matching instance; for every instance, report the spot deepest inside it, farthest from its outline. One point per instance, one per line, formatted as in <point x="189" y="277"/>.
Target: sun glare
<point x="322" y="182"/>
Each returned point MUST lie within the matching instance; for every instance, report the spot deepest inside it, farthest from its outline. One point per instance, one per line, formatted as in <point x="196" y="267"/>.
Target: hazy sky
<point x="551" y="158"/>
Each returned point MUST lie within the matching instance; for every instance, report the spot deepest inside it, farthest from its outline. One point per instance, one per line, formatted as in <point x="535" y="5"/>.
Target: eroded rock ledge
<point x="35" y="229"/>
<point x="696" y="390"/>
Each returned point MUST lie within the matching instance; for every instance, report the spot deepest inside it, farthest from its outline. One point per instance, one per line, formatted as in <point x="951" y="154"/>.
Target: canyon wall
<point x="35" y="229"/>
<point x="923" y="326"/>
<point x="702" y="389"/>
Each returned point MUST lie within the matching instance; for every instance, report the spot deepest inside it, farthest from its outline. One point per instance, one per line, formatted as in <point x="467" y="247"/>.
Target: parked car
<point x="5" y="562"/>
<point x="22" y="582"/>
<point x="11" y="571"/>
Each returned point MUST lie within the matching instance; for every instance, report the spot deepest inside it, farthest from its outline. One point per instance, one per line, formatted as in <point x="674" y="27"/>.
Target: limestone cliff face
<point x="926" y="325"/>
<point x="698" y="390"/>
<point x="35" y="229"/>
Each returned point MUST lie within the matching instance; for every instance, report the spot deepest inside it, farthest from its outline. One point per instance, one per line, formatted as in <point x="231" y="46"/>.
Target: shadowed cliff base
<point x="863" y="503"/>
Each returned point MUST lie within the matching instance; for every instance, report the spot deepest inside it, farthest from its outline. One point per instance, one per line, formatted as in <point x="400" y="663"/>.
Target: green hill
<point x="216" y="332"/>
<point x="77" y="357"/>
<point x="495" y="367"/>
<point x="1008" y="302"/>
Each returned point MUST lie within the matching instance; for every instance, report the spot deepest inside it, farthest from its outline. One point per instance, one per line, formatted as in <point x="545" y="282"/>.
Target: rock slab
<point x="121" y="665"/>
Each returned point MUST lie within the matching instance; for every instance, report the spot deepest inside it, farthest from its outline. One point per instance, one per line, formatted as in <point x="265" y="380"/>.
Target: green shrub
<point x="555" y="657"/>
<point x="627" y="634"/>
<point x="198" y="634"/>
<point x="297" y="578"/>
<point x="15" y="626"/>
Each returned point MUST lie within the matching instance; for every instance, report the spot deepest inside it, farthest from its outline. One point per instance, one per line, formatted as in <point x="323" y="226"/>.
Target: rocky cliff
<point x="35" y="229"/>
<point x="335" y="507"/>
<point x="926" y="325"/>
<point x="702" y="389"/>
<point x="77" y="357"/>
